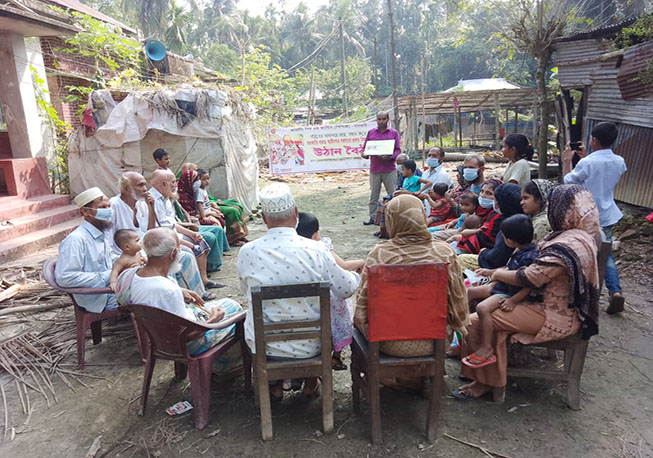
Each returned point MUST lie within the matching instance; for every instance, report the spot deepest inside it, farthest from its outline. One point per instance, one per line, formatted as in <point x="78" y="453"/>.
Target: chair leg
<point x="96" y="331"/>
<point x="499" y="394"/>
<point x="200" y="388"/>
<point x="247" y="365"/>
<point x="575" y="371"/>
<point x="257" y="400"/>
<point x="327" y="399"/>
<point x="81" y="341"/>
<point x="435" y="395"/>
<point x="355" y="381"/>
<point x="147" y="379"/>
<point x="374" y="399"/>
<point x="568" y="356"/>
<point x="264" y="404"/>
<point x="181" y="370"/>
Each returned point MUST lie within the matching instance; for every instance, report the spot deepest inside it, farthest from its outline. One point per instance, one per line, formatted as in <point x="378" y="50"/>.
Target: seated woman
<point x="534" y="198"/>
<point x="411" y="243"/>
<point x="567" y="273"/>
<point x="150" y="285"/>
<point x="232" y="211"/>
<point x="507" y="199"/>
<point x="213" y="234"/>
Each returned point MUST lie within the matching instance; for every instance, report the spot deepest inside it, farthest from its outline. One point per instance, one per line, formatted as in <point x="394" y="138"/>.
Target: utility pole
<point x="395" y="121"/>
<point x="343" y="77"/>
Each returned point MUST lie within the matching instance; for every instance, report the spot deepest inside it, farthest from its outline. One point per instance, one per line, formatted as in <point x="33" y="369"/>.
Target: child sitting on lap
<point x="342" y="310"/>
<point x="440" y="207"/>
<point x="517" y="233"/>
<point x="468" y="205"/>
<point x="128" y="241"/>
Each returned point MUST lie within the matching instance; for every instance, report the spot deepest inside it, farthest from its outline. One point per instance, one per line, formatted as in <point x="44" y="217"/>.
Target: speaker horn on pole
<point x="155" y="50"/>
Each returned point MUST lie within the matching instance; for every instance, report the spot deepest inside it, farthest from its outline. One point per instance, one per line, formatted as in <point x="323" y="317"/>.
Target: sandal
<point x="616" y="304"/>
<point x="337" y="364"/>
<point x="316" y="391"/>
<point x="209" y="296"/>
<point x="475" y="361"/>
<point x="213" y="284"/>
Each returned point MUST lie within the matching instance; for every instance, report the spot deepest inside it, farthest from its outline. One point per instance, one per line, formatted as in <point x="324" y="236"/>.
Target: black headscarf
<point x="508" y="196"/>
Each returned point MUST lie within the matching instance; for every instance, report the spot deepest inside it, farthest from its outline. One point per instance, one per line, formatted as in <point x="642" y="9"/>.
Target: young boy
<point x="162" y="159"/>
<point x="205" y="208"/>
<point x="468" y="205"/>
<point x="128" y="241"/>
<point x="518" y="234"/>
<point x="411" y="181"/>
<point x="342" y="310"/>
<point x="440" y="208"/>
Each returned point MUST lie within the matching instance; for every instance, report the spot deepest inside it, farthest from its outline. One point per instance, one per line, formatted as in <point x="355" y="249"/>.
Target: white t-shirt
<point x="519" y="171"/>
<point x="162" y="293"/>
<point x="123" y="218"/>
<point x="203" y="197"/>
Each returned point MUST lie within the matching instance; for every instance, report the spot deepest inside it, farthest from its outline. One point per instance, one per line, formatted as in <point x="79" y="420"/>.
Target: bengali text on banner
<point x="317" y="148"/>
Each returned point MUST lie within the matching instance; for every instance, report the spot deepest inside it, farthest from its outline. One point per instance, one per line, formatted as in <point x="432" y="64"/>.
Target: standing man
<point x="382" y="168"/>
<point x="599" y="172"/>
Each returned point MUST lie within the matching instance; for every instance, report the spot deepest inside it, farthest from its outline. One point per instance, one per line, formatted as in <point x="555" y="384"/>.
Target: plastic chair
<point x="400" y="307"/>
<point x="83" y="319"/>
<point x="168" y="335"/>
<point x="270" y="370"/>
<point x="574" y="347"/>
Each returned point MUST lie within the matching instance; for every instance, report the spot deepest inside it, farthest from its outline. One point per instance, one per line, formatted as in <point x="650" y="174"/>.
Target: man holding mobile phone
<point x="599" y="172"/>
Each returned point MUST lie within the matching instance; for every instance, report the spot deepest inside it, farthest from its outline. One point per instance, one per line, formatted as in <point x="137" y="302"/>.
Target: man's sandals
<point x="616" y="305"/>
<point x="475" y="362"/>
<point x="213" y="284"/>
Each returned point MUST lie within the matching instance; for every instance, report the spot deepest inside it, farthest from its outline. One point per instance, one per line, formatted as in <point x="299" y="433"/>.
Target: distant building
<point x="482" y="84"/>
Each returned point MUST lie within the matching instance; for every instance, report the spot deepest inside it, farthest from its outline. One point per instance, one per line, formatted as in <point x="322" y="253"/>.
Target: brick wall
<point x="64" y="62"/>
<point x="67" y="110"/>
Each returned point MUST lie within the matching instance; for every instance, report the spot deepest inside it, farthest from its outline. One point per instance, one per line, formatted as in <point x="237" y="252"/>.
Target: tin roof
<point x="78" y="6"/>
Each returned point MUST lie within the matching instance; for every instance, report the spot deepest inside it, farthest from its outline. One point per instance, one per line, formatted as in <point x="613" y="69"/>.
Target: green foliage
<point x="222" y="58"/>
<point x="641" y="31"/>
<point x="58" y="166"/>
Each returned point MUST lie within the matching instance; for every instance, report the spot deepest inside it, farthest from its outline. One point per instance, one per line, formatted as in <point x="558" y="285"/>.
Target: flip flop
<point x="213" y="285"/>
<point x="209" y="296"/>
<point x="462" y="378"/>
<point x="457" y="394"/>
<point x="480" y="362"/>
<point x="337" y="364"/>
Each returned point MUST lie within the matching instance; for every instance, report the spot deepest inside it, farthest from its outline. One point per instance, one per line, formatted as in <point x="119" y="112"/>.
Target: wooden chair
<point x="266" y="370"/>
<point x="575" y="348"/>
<point x="401" y="306"/>
<point x="83" y="319"/>
<point x="168" y="335"/>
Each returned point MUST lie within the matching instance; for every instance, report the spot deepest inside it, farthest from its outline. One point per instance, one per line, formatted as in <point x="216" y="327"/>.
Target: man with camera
<point x="599" y="172"/>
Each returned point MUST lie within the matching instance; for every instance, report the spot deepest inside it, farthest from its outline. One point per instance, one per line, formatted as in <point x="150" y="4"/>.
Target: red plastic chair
<point x="405" y="302"/>
<point x="83" y="319"/>
<point x="168" y="335"/>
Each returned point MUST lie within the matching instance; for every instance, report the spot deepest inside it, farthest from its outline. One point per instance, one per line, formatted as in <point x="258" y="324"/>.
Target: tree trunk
<point x="540" y="78"/>
<point x="395" y="121"/>
<point x="343" y="76"/>
<point x="376" y="75"/>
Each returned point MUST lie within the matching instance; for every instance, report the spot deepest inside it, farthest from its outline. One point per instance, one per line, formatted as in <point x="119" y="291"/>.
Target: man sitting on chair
<point x="85" y="257"/>
<point x="283" y="257"/>
<point x="150" y="285"/>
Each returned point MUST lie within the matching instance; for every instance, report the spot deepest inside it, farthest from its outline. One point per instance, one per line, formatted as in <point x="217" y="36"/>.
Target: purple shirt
<point x="376" y="164"/>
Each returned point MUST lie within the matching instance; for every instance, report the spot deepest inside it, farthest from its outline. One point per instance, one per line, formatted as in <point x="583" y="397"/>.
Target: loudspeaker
<point x="155" y="50"/>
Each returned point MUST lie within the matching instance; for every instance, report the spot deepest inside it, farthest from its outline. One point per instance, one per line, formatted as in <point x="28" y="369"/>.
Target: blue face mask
<point x="470" y="175"/>
<point x="433" y="163"/>
<point x="103" y="214"/>
<point x="399" y="166"/>
<point x="496" y="209"/>
<point x="485" y="202"/>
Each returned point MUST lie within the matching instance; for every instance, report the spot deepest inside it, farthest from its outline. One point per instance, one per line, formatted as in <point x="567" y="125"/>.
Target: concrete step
<point x="35" y="241"/>
<point x="37" y="221"/>
<point x="12" y="207"/>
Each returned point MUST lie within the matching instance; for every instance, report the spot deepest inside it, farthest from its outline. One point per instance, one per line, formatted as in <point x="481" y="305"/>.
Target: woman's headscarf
<point x="508" y="196"/>
<point x="405" y="219"/>
<point x="186" y="192"/>
<point x="544" y="187"/>
<point x="574" y="220"/>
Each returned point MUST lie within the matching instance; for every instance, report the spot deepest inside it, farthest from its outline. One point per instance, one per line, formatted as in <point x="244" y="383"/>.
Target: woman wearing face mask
<point x="519" y="151"/>
<point x="506" y="203"/>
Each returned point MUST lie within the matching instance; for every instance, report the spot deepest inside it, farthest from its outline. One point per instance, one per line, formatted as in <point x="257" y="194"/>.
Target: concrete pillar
<point x="18" y="99"/>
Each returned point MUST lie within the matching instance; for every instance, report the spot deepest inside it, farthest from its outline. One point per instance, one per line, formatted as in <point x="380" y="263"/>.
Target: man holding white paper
<point x="383" y="168"/>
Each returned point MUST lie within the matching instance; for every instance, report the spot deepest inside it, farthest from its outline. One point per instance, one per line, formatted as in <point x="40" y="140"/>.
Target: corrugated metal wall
<point x="635" y="145"/>
<point x="570" y="55"/>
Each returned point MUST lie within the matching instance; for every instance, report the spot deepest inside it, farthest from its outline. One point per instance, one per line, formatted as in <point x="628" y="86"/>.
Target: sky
<point x="257" y="7"/>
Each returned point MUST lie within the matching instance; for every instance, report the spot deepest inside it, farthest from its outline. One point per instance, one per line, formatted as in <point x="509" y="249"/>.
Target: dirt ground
<point x="617" y="384"/>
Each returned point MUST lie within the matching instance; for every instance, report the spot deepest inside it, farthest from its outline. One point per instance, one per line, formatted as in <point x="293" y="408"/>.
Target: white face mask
<point x="175" y="267"/>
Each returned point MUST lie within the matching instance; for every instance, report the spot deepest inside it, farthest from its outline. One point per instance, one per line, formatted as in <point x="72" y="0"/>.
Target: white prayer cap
<point x="276" y="198"/>
<point x="88" y="196"/>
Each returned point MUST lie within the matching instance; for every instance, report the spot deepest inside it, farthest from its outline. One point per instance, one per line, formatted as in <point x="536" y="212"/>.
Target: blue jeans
<point x="611" y="273"/>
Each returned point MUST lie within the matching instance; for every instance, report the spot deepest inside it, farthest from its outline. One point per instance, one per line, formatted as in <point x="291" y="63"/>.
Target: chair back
<point x="407" y="301"/>
<point x="296" y="329"/>
<point x="167" y="333"/>
<point x="49" y="267"/>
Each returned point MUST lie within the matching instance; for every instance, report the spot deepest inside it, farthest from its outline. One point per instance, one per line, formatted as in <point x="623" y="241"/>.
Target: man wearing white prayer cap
<point x="85" y="255"/>
<point x="283" y="257"/>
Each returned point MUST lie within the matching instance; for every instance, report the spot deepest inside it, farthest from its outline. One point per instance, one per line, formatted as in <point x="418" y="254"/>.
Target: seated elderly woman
<point x="411" y="243"/>
<point x="150" y="285"/>
<point x="565" y="271"/>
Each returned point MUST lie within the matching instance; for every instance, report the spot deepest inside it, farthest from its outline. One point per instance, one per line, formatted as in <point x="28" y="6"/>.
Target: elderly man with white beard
<point x="133" y="209"/>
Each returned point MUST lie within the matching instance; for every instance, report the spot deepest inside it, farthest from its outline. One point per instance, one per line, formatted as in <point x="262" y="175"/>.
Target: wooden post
<point x="516" y="121"/>
<point x="395" y="102"/>
<point x="460" y="126"/>
<point x="497" y="122"/>
<point x="439" y="128"/>
<point x="455" y="130"/>
<point x="423" y="116"/>
<point x="343" y="75"/>
<point x="415" y="125"/>
<point x="375" y="73"/>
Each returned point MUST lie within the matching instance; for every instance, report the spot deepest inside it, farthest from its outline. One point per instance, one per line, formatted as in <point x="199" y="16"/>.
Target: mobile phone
<point x="575" y="145"/>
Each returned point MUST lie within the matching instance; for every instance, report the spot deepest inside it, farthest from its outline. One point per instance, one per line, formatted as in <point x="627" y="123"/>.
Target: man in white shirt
<point x="599" y="172"/>
<point x="283" y="257"/>
<point x="85" y="258"/>
<point x="435" y="173"/>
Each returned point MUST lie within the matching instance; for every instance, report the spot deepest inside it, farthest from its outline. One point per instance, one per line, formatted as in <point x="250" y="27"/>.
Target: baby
<point x="128" y="241"/>
<point x="468" y="219"/>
